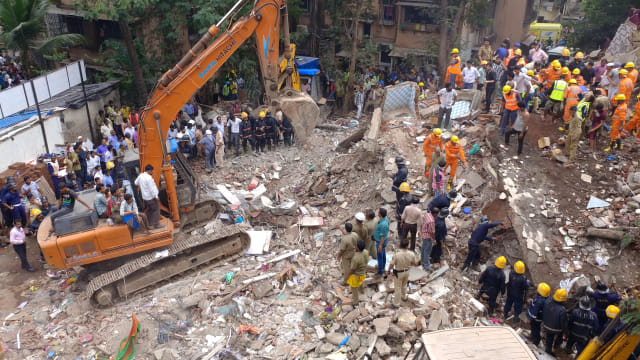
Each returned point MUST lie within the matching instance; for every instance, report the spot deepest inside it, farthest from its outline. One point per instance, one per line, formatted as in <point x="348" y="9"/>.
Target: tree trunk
<point x="135" y="63"/>
<point x="457" y="21"/>
<point x="442" y="54"/>
<point x="348" y="91"/>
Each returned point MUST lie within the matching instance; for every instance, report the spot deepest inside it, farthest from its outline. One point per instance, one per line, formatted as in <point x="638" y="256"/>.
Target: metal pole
<point x="229" y="13"/>
<point x="86" y="102"/>
<point x="44" y="134"/>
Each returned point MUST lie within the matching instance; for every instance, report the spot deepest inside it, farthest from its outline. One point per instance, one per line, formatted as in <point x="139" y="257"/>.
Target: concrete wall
<point x="24" y="142"/>
<point x="509" y="20"/>
<point x="75" y="120"/>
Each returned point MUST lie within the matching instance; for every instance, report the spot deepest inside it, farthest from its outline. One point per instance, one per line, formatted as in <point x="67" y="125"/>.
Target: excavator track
<point x="186" y="252"/>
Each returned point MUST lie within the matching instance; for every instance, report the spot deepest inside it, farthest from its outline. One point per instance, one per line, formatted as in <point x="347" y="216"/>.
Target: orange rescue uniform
<point x="625" y="88"/>
<point x="455" y="69"/>
<point x="551" y="76"/>
<point x="579" y="79"/>
<point x="633" y="123"/>
<point x="452" y="152"/>
<point x="633" y="75"/>
<point x="617" y="120"/>
<point x="430" y="144"/>
<point x="571" y="97"/>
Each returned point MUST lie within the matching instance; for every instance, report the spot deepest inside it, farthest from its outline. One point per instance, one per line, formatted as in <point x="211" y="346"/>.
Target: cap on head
<point x="544" y="289"/>
<point x="579" y="55"/>
<point x="484" y="219"/>
<point x="501" y="261"/>
<point x="399" y="160"/>
<point x="601" y="287"/>
<point x="530" y="72"/>
<point x="519" y="267"/>
<point x="444" y="212"/>
<point x="576" y="71"/>
<point x="35" y="212"/>
<point x="452" y="194"/>
<point x="573" y="81"/>
<point x="483" y="62"/>
<point x="208" y="132"/>
<point x="421" y="84"/>
<point x="518" y="52"/>
<point x="560" y="295"/>
<point x="359" y="216"/>
<point x="262" y="114"/>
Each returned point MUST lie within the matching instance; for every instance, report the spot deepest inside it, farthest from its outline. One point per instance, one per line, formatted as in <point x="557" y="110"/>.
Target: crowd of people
<point x="12" y="73"/>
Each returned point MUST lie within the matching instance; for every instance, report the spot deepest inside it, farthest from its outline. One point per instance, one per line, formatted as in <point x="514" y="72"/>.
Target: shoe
<point x="621" y="146"/>
<point x="30" y="269"/>
<point x="608" y="149"/>
<point x="448" y="186"/>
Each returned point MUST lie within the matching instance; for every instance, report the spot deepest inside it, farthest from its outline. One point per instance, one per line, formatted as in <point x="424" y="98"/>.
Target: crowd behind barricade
<point x="11" y="72"/>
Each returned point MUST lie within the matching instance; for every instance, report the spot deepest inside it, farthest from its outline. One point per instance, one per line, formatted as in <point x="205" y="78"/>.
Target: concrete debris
<point x="382" y="348"/>
<point x="382" y="325"/>
<point x="335" y="338"/>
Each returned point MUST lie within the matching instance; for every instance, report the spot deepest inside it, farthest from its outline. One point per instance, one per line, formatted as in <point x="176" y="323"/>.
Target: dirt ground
<point x="287" y="309"/>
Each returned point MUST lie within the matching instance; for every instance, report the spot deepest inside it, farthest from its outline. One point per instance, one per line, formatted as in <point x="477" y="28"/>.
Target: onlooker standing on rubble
<point x="485" y="52"/>
<point x="358" y="272"/>
<point x="516" y="290"/>
<point x="400" y="264"/>
<point x="446" y="98"/>
<point x="234" y="124"/>
<point x="492" y="280"/>
<point x="381" y="236"/>
<point x="520" y="127"/>
<point x="149" y="194"/>
<point x="490" y="81"/>
<point x="534" y="311"/>
<point x="370" y="225"/>
<point x="478" y="236"/>
<point x="17" y="237"/>
<point x="218" y="137"/>
<point x="440" y="235"/>
<point x="583" y="324"/>
<point x="409" y="221"/>
<point x="359" y="101"/>
<point x="470" y="76"/>
<point x="574" y="135"/>
<point x="347" y="248"/>
<point x="439" y="177"/>
<point x="554" y="320"/>
<point x="428" y="235"/>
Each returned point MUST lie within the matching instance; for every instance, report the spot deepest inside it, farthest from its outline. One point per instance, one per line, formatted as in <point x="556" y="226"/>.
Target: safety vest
<point x="521" y="62"/>
<point x="557" y="94"/>
<point x="511" y="101"/>
<point x="583" y="109"/>
<point x="457" y="67"/>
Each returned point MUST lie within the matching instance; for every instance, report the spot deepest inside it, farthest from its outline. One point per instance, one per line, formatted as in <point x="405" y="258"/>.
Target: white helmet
<point x="359" y="216"/>
<point x="208" y="132"/>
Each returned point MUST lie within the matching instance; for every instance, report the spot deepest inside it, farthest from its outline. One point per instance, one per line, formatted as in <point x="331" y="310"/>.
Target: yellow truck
<point x="544" y="31"/>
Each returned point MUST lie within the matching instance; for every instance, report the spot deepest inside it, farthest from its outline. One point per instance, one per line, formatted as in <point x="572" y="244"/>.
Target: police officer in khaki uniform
<point x="400" y="264"/>
<point x="358" y="271"/>
<point x="362" y="231"/>
<point x="347" y="247"/>
<point x="370" y="224"/>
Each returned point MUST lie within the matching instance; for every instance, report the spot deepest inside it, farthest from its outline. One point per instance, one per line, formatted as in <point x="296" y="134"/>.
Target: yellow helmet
<point x="530" y="72"/>
<point x="506" y="89"/>
<point x="544" y="289"/>
<point x="421" y="84"/>
<point x="519" y="267"/>
<point x="566" y="52"/>
<point x="455" y="139"/>
<point x="623" y="72"/>
<point x="501" y="261"/>
<point x="404" y="187"/>
<point x="110" y="165"/>
<point x="579" y="55"/>
<point x="620" y="97"/>
<point x="573" y="81"/>
<point x="612" y="311"/>
<point x="554" y="62"/>
<point x="35" y="212"/>
<point x="483" y="62"/>
<point x="565" y="70"/>
<point x="518" y="52"/>
<point x="629" y="65"/>
<point x="576" y="71"/>
<point x="560" y="295"/>
<point x="244" y="115"/>
<point x="557" y="65"/>
<point x="437" y="132"/>
<point x="455" y="51"/>
<point x="262" y="114"/>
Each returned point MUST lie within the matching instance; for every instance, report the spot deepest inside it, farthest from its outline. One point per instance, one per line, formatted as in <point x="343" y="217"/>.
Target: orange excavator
<point x="121" y="261"/>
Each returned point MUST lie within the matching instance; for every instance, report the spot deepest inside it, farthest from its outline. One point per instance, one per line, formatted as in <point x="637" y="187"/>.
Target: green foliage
<point x="477" y="14"/>
<point x="632" y="314"/>
<point x="24" y="29"/>
<point x="601" y="20"/>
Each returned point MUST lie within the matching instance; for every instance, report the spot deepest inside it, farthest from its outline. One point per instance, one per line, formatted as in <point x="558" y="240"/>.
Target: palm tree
<point x="23" y="23"/>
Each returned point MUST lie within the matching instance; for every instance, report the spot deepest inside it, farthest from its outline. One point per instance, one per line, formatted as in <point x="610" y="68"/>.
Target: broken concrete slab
<point x="443" y="269"/>
<point x="382" y="325"/>
<point x="382" y="348"/>
<point x="473" y="179"/>
<point x="406" y="320"/>
<point x="352" y="315"/>
<point x="335" y="338"/>
<point x="320" y="333"/>
<point x="262" y="289"/>
<point x="417" y="273"/>
<point x="597" y="222"/>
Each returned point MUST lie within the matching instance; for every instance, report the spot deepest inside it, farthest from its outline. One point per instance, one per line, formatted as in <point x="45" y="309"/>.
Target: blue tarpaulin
<point x="306" y="62"/>
<point x="18" y="118"/>
<point x="308" y="72"/>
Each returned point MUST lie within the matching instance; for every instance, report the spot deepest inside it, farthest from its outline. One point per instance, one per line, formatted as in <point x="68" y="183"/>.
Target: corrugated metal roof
<point x="18" y="118"/>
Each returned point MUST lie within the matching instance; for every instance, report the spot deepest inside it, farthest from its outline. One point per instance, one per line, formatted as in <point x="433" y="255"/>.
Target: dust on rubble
<point x="285" y="304"/>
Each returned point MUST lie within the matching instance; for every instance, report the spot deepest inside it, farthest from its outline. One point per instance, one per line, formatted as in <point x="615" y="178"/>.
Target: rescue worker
<point x="440" y="235"/>
<point x="564" y="58"/>
<point x="631" y="127"/>
<point x="633" y="72"/>
<point x="492" y="280"/>
<point x="454" y="70"/>
<point x="534" y="311"/>
<point x="577" y="63"/>
<point x="510" y="102"/>
<point x="259" y="132"/>
<point x="573" y="136"/>
<point x="347" y="248"/>
<point x="479" y="234"/>
<point x="577" y="77"/>
<point x="357" y="272"/>
<point x="405" y="200"/>
<point x="370" y="224"/>
<point x="453" y="153"/>
<point x="603" y="298"/>
<point x="625" y="87"/>
<point x="209" y="150"/>
<point x="442" y="201"/>
<point x="617" y="122"/>
<point x="554" y="320"/>
<point x="583" y="110"/>
<point x="566" y="74"/>
<point x="572" y="97"/>
<point x="516" y="290"/>
<point x="612" y="312"/>
<point x="285" y="128"/>
<point x="399" y="265"/>
<point x="6" y="211"/>
<point x="246" y="133"/>
<point x="400" y="177"/>
<point x="13" y="204"/>
<point x="583" y="324"/>
<point x="553" y="73"/>
<point x="432" y="144"/>
<point x="270" y="130"/>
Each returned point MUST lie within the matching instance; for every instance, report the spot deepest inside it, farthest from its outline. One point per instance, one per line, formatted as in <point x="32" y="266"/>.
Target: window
<point x="384" y="54"/>
<point x="420" y="15"/>
<point x="366" y="29"/>
<point x="306" y="6"/>
<point x="388" y="12"/>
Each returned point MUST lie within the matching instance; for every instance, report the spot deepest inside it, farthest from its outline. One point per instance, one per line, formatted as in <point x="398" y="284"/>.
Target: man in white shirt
<point x="469" y="76"/>
<point x="234" y="123"/>
<point x="149" y="193"/>
<point x="446" y="98"/>
<point x="523" y="86"/>
<point x="538" y="55"/>
<point x="105" y="129"/>
<point x="128" y="206"/>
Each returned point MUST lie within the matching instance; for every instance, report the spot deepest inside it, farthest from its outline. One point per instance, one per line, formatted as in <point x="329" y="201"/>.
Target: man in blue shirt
<point x="381" y="236"/>
<point x="190" y="109"/>
<point x="12" y="202"/>
<point x="101" y="150"/>
<point x="113" y="140"/>
<point x="477" y="236"/>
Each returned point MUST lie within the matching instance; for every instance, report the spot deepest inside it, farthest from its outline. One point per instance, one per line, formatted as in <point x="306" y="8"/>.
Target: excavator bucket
<point x="302" y="111"/>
